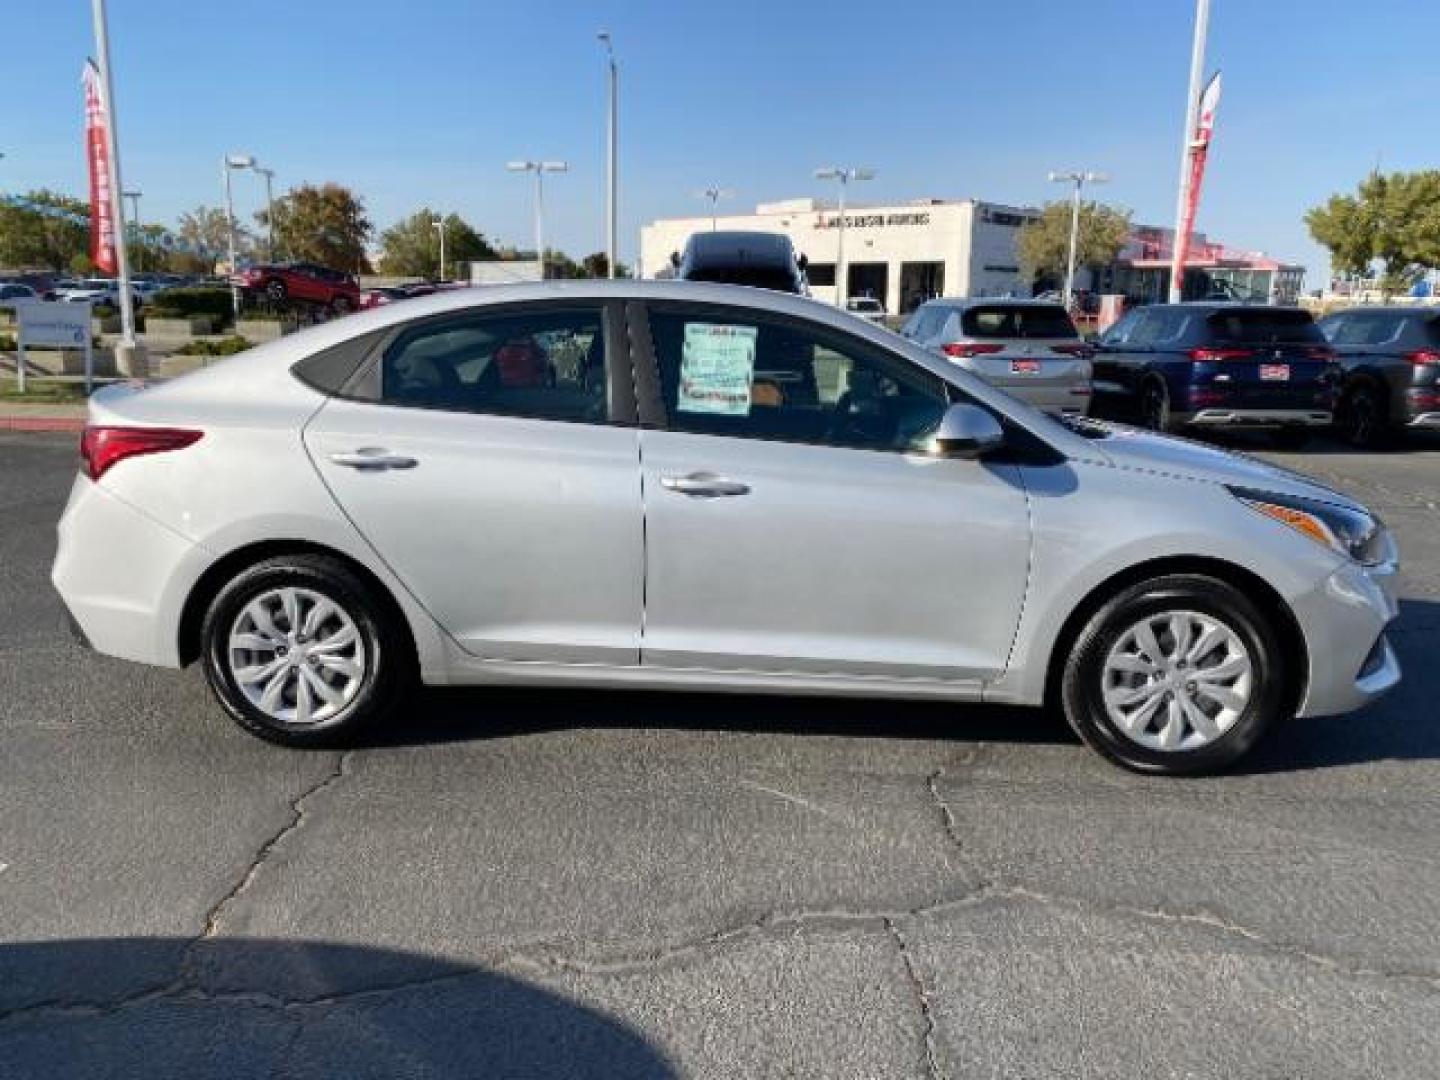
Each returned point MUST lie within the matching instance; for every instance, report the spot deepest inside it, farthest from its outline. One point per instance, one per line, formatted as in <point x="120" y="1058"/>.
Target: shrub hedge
<point x="187" y="302"/>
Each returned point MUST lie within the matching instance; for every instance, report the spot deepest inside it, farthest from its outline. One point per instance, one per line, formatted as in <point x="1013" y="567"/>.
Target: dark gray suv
<point x="1391" y="358"/>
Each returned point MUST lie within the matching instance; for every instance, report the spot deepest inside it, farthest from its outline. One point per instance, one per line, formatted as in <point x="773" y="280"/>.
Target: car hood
<point x="1168" y="455"/>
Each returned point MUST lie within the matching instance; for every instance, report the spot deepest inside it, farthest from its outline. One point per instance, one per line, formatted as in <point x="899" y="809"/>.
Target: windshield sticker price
<point x="717" y="369"/>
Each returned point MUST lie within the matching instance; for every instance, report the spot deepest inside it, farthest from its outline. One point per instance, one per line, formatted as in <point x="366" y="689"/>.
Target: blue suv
<point x="1176" y="367"/>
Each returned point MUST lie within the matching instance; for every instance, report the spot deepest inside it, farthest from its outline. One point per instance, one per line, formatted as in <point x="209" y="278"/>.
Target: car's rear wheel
<point x="300" y="651"/>
<point x="1179" y="674"/>
<point x="1155" y="406"/>
<point x="1362" y="422"/>
<point x="340" y="305"/>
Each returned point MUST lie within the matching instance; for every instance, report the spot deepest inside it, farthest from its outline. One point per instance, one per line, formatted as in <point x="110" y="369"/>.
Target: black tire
<point x="387" y="657"/>
<point x="1362" y="420"/>
<point x="341" y="305"/>
<point x="1082" y="682"/>
<point x="1155" y="406"/>
<point x="276" y="291"/>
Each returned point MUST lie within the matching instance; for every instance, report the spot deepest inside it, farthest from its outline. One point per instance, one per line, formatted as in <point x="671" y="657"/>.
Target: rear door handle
<point x="373" y="458"/>
<point x="703" y="485"/>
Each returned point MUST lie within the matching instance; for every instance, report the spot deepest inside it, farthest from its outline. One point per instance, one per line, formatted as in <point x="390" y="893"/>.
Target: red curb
<point x="42" y="423"/>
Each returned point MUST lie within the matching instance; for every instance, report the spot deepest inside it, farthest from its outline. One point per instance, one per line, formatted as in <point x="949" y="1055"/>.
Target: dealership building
<point x="906" y="253"/>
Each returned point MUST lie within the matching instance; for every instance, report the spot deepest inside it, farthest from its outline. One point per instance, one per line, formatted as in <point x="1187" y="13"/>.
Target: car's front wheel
<point x="300" y="650"/>
<point x="1179" y="674"/>
<point x="276" y="290"/>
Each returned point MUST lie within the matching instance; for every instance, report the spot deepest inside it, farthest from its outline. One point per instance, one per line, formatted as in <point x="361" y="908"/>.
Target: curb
<point x="42" y="423"/>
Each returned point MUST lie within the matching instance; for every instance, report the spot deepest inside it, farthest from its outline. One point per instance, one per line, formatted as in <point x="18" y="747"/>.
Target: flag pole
<point x="1192" y="112"/>
<point x="128" y="357"/>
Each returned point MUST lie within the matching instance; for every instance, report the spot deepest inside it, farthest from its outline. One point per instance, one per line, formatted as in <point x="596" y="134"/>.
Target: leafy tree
<point x="1045" y="241"/>
<point x="412" y="247"/>
<point x="205" y="231"/>
<point x="597" y="265"/>
<point x="44" y="229"/>
<point x="325" y="225"/>
<point x="1393" y="220"/>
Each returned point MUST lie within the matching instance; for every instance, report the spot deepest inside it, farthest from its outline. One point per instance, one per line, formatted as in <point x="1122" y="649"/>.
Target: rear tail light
<point x="963" y="351"/>
<point x="1424" y="356"/>
<point x="103" y="447"/>
<point x="1201" y="356"/>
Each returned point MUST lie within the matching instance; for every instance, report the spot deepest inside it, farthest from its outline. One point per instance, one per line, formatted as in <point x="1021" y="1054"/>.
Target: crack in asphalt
<point x="252" y="870"/>
<point x="922" y="998"/>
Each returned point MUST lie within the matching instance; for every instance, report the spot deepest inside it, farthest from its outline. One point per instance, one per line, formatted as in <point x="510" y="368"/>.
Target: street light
<point x="714" y="194"/>
<point x="611" y="180"/>
<point x="1079" y="179"/>
<point x="539" y="168"/>
<point x="845" y="176"/>
<point x="136" y="237"/>
<point x="439" y="224"/>
<point x="229" y="164"/>
<point x="269" y="175"/>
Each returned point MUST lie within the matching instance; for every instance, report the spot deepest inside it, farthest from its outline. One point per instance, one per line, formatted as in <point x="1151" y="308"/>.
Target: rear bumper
<point x="1343" y="621"/>
<point x="1424" y="420"/>
<point x="1227" y="417"/>
<point x="123" y="577"/>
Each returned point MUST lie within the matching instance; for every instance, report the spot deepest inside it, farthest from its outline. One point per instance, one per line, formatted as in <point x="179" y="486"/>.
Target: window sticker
<point x="717" y="369"/>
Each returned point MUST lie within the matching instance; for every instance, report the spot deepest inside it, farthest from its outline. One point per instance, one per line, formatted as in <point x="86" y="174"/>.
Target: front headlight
<point x="1354" y="533"/>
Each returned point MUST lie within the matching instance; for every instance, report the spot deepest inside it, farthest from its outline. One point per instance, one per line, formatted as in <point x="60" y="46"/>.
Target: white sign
<point x="54" y="325"/>
<point x="57" y="324"/>
<point x="717" y="368"/>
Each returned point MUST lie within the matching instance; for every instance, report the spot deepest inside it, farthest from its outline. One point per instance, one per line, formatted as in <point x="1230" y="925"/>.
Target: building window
<point x="821" y="273"/>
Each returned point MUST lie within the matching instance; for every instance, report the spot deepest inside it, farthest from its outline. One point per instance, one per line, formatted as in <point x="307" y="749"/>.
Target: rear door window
<point x="1018" y="321"/>
<point x="1367" y="328"/>
<point x="1271" y="326"/>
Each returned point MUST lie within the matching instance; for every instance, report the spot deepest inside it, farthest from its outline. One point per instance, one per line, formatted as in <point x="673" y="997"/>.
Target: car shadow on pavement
<point x="1403" y="725"/>
<point x="238" y="1008"/>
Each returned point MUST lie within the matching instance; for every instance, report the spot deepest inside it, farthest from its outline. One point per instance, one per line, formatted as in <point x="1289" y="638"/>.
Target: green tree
<point x="325" y="225"/>
<point x="597" y="265"/>
<point x="1045" y="241"/>
<point x="45" y="230"/>
<point x="1391" y="220"/>
<point x="205" y="232"/>
<point x="411" y="248"/>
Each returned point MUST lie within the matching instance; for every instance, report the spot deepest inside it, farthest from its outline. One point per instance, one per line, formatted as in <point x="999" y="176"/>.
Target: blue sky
<point x="422" y="102"/>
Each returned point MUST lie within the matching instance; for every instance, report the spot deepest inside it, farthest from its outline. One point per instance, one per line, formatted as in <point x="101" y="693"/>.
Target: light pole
<point x="1192" y="113"/>
<point x="134" y="197"/>
<point x="131" y="360"/>
<point x="611" y="181"/>
<point x="714" y="194"/>
<point x="439" y="224"/>
<point x="269" y="175"/>
<point x="845" y="176"/>
<point x="539" y="168"/>
<point x="229" y="164"/>
<point x="1079" y="179"/>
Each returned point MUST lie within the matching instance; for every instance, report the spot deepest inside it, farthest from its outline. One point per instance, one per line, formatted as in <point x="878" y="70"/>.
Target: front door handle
<point x="374" y="458"/>
<point x="703" y="485"/>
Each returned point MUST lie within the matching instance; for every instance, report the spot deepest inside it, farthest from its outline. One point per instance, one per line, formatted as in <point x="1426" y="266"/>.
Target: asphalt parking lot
<point x="547" y="884"/>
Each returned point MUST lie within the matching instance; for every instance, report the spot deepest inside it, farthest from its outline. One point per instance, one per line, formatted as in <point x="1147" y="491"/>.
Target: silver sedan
<point x="682" y="486"/>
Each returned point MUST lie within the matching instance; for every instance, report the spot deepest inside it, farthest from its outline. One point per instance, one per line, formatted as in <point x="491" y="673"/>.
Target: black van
<point x="764" y="260"/>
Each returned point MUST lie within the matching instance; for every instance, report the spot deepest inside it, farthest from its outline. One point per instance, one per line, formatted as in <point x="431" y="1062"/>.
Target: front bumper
<point x="1344" y="620"/>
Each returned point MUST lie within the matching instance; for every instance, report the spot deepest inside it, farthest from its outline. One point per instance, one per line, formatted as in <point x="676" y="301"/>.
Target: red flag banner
<point x="97" y="152"/>
<point x="1199" y="151"/>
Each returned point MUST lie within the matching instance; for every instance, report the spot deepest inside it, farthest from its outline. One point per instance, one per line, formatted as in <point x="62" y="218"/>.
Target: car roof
<point x="712" y="247"/>
<point x="1220" y="305"/>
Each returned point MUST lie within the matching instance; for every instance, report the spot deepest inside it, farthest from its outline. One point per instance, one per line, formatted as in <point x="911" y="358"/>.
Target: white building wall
<point x="963" y="235"/>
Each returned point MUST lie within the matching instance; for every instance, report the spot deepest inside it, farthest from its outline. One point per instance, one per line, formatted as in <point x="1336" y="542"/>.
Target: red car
<point x="306" y="282"/>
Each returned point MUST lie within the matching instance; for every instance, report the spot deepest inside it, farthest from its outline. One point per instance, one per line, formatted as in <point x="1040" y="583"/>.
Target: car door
<point x="795" y="519"/>
<point x="490" y="457"/>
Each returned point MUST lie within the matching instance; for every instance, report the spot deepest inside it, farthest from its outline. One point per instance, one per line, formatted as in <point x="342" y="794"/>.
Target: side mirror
<point x="675" y="259"/>
<point x="968" y="431"/>
<point x="804" y="261"/>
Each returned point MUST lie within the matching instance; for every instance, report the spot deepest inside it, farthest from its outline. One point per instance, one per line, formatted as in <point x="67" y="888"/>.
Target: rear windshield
<point x="1017" y="321"/>
<point x="761" y="277"/>
<point x="1273" y="326"/>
